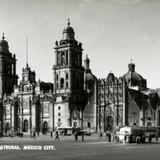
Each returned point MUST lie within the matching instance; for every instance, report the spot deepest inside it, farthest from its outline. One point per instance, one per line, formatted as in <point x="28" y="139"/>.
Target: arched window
<point x="62" y="82"/>
<point x="66" y="75"/>
<point x="59" y="107"/>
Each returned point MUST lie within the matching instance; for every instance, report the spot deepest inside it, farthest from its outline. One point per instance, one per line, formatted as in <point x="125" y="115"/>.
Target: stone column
<point x="141" y="118"/>
<point x="157" y="120"/>
<point x="12" y="116"/>
<point x="124" y="104"/>
<point x="33" y="117"/>
<point x="51" y="116"/>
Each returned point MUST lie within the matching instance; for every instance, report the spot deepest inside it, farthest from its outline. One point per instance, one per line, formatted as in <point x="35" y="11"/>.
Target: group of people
<point x="75" y="134"/>
<point x="110" y="136"/>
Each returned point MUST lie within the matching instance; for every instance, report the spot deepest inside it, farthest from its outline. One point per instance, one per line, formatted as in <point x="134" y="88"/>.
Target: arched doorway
<point x="45" y="128"/>
<point x="25" y="125"/>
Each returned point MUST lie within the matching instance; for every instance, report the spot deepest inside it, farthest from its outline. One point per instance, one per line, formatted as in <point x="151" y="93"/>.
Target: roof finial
<point x="131" y="60"/>
<point x="27" y="52"/>
<point x="3" y="37"/>
<point x="68" y="21"/>
<point x="110" y="71"/>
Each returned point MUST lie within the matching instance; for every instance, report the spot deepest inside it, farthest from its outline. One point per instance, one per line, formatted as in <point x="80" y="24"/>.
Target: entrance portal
<point x="45" y="128"/>
<point x="110" y="123"/>
<point x="25" y="125"/>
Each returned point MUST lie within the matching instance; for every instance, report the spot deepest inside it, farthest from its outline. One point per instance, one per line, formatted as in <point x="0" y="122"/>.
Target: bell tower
<point x="68" y="80"/>
<point x="8" y="77"/>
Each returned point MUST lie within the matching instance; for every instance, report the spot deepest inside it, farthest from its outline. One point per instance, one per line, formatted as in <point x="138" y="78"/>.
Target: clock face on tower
<point x="25" y="88"/>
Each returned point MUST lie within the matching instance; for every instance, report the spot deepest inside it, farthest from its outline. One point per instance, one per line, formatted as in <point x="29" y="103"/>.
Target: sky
<point x="112" y="33"/>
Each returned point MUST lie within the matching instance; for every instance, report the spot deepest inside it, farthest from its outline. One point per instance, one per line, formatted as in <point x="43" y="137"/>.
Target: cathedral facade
<point x="126" y="101"/>
<point x="76" y="98"/>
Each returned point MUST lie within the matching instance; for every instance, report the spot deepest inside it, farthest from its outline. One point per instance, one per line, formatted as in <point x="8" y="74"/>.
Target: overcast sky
<point x="111" y="31"/>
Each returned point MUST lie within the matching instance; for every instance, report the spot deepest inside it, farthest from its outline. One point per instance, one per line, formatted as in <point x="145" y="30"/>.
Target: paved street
<point x="67" y="149"/>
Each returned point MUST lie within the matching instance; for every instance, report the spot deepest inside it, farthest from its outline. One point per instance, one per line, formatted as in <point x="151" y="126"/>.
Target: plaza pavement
<point x="92" y="148"/>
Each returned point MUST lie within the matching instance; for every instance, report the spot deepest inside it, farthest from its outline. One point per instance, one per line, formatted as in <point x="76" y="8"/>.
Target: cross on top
<point x="68" y="21"/>
<point x="3" y="36"/>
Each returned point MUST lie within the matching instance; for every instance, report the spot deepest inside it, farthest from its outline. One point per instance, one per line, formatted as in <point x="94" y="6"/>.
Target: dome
<point x="110" y="77"/>
<point x="3" y="45"/>
<point x="89" y="77"/>
<point x="134" y="79"/>
<point x="68" y="33"/>
<point x="68" y="30"/>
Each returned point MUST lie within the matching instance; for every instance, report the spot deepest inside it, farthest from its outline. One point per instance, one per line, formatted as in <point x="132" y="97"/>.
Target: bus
<point x="132" y="132"/>
<point x="152" y="131"/>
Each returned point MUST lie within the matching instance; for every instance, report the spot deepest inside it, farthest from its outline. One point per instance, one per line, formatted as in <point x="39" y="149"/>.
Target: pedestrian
<point x="82" y="136"/>
<point x="100" y="135"/>
<point x="109" y="137"/>
<point x="34" y="135"/>
<point x="124" y="139"/>
<point x="76" y="135"/>
<point x="38" y="134"/>
<point x="51" y="134"/>
<point x="156" y="137"/>
<point x="137" y="139"/>
<point x="149" y="138"/>
<point x="57" y="135"/>
<point x="30" y="134"/>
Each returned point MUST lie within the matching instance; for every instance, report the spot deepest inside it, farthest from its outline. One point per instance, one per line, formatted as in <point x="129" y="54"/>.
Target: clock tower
<point x="68" y="81"/>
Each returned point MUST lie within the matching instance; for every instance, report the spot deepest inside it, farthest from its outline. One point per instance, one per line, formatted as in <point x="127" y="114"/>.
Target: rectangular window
<point x="67" y="57"/>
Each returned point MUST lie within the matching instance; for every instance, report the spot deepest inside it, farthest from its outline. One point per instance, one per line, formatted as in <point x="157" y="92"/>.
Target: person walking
<point x="156" y="136"/>
<point x="109" y="137"/>
<point x="82" y="136"/>
<point x="76" y="135"/>
<point x="100" y="135"/>
<point x="51" y="134"/>
<point x="57" y="135"/>
<point x="124" y="140"/>
<point x="34" y="135"/>
<point x="38" y="134"/>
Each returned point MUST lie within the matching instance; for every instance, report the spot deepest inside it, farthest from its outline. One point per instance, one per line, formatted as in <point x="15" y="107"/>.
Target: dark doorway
<point x="45" y="128"/>
<point x="25" y="125"/>
<point x="110" y="123"/>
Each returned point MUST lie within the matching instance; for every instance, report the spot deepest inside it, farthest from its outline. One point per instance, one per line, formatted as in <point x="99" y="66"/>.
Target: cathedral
<point x="70" y="101"/>
<point x="75" y="98"/>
